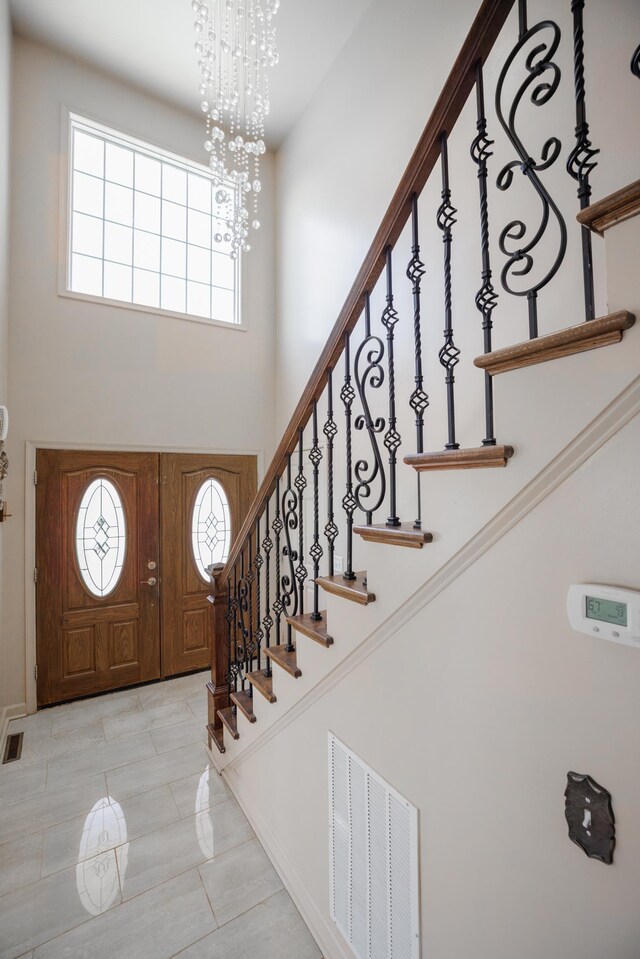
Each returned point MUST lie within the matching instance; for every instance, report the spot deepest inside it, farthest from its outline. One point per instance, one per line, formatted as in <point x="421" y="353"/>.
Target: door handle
<point x="149" y="582"/>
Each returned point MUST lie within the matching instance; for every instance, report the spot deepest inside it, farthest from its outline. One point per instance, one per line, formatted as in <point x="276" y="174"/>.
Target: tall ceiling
<point x="150" y="43"/>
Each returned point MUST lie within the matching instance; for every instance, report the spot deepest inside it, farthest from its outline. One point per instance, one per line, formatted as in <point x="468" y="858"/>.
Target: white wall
<point x="5" y="114"/>
<point x="85" y="373"/>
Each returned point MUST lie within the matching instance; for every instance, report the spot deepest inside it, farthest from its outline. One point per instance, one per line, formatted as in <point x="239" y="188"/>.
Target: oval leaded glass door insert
<point x="210" y="527"/>
<point x="101" y="537"/>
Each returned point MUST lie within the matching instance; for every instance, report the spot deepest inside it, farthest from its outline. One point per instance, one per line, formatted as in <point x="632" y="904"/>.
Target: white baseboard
<point x="325" y="933"/>
<point x="7" y="713"/>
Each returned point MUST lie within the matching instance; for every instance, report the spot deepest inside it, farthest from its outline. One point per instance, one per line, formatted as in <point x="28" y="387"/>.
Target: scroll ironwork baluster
<point x="449" y="354"/>
<point x="347" y="395"/>
<point x="330" y="429"/>
<point x="232" y="675"/>
<point x="315" y="551"/>
<point x="258" y="562"/>
<point x="290" y="520"/>
<point x="581" y="161"/>
<point x="419" y="400"/>
<point x="250" y="579"/>
<point x="372" y="349"/>
<point x="243" y="609"/>
<point x="486" y="297"/>
<point x="520" y="260"/>
<point x="392" y="439"/>
<point x="300" y="484"/>
<point x="238" y="652"/>
<point x="278" y="606"/>
<point x="267" y="621"/>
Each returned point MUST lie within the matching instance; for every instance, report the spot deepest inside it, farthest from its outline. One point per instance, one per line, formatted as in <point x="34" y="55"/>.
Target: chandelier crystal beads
<point x="236" y="46"/>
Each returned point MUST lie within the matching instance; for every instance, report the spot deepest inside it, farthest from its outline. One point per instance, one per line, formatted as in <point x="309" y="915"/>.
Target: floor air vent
<point x="373" y="836"/>
<point x="12" y="748"/>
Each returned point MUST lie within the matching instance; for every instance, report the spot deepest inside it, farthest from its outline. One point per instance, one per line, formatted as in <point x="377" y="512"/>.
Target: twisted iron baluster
<point x="315" y="551"/>
<point x="250" y="579"/>
<point x="419" y="400"/>
<point x="449" y="354"/>
<point x="277" y="529"/>
<point x="347" y="395"/>
<point x="301" y="484"/>
<point x="267" y="622"/>
<point x="372" y="348"/>
<point x="236" y="669"/>
<point x="486" y="297"/>
<point x="243" y="608"/>
<point x="538" y="62"/>
<point x="581" y="161"/>
<point x="635" y="62"/>
<point x="290" y="518"/>
<point x="258" y="561"/>
<point x="232" y="676"/>
<point x="330" y="429"/>
<point x="392" y="439"/>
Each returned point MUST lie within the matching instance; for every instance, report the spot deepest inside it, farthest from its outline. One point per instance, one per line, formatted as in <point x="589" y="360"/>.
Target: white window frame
<point x="132" y="142"/>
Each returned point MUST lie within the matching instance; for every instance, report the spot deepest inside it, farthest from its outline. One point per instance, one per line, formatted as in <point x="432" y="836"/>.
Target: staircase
<point x="340" y="477"/>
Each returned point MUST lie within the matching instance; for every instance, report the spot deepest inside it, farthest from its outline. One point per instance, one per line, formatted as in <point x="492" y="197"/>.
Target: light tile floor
<point x="118" y="839"/>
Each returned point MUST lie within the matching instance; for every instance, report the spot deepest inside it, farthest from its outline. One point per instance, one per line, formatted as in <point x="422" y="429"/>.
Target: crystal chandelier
<point x="236" y="46"/>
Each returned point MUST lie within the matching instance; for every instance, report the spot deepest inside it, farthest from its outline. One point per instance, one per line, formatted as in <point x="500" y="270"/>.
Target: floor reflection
<point x="97" y="872"/>
<point x="204" y="826"/>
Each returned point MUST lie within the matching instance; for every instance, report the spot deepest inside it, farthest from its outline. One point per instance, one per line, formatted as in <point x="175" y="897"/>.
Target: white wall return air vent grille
<point x="373" y="860"/>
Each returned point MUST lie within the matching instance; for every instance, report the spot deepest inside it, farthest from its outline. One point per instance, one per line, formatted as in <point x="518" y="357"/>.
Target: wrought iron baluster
<point x="290" y="519"/>
<point x="419" y="400"/>
<point x="258" y="561"/>
<point x="300" y="483"/>
<point x="267" y="622"/>
<point x="513" y="238"/>
<point x="372" y="349"/>
<point x="392" y="439"/>
<point x="242" y="649"/>
<point x="236" y="669"/>
<point x="232" y="675"/>
<point x="635" y="62"/>
<point x="330" y="429"/>
<point x="449" y="354"/>
<point x="278" y="606"/>
<point x="347" y="395"/>
<point x="250" y="578"/>
<point x="486" y="297"/>
<point x="315" y="551"/>
<point x="581" y="161"/>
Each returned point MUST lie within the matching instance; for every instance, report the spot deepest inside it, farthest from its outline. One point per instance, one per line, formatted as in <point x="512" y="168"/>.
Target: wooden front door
<point x="203" y="502"/>
<point x="97" y="550"/>
<point x="122" y="545"/>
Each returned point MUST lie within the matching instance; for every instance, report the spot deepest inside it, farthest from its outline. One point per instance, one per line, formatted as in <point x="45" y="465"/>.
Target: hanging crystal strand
<point x="449" y="354"/>
<point x="301" y="485"/>
<point x="315" y="552"/>
<point x="392" y="438"/>
<point x="257" y="562"/>
<point x="330" y="429"/>
<point x="581" y="161"/>
<point x="486" y="297"/>
<point x="277" y="529"/>
<point x="267" y="622"/>
<point x="418" y="400"/>
<point x="347" y="395"/>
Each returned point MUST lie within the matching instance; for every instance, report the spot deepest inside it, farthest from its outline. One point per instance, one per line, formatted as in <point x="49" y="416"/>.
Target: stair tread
<point x="244" y="702"/>
<point x="404" y="535"/>
<point x="353" y="590"/>
<point x="477" y="457"/>
<point x="217" y="737"/>
<point x="574" y="339"/>
<point x="263" y="683"/>
<point x="230" y="719"/>
<point x="286" y="658"/>
<point x="612" y="209"/>
<point x="314" y="629"/>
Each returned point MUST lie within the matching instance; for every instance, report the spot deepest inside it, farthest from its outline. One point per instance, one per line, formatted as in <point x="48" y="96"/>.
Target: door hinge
<point x="35" y="575"/>
<point x="35" y="671"/>
<point x="35" y="477"/>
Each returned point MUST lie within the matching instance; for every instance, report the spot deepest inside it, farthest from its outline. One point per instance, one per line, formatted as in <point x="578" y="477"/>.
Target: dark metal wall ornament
<point x="392" y="438"/>
<point x="486" y="297"/>
<point x="581" y="161"/>
<point x="349" y="504"/>
<point x="372" y="376"/>
<point x="330" y="429"/>
<point x="419" y="400"/>
<point x="449" y="354"/>
<point x="541" y="82"/>
<point x="590" y="818"/>
<point x="635" y="62"/>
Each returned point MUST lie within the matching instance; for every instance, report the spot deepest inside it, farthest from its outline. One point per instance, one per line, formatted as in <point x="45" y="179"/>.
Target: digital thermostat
<point x="605" y="612"/>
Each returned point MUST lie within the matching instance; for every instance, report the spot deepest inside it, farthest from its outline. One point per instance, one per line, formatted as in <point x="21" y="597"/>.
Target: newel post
<point x="218" y="687"/>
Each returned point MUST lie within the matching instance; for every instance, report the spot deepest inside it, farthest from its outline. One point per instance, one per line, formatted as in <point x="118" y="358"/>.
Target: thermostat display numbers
<point x="606" y="611"/>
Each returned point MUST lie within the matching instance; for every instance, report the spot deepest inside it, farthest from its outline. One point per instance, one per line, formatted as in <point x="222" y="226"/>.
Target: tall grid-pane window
<point x="148" y="228"/>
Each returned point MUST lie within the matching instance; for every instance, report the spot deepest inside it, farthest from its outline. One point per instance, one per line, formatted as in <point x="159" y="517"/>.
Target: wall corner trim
<point x="7" y="713"/>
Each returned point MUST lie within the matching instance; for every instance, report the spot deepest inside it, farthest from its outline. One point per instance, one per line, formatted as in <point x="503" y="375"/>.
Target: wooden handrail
<point x="479" y="42"/>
